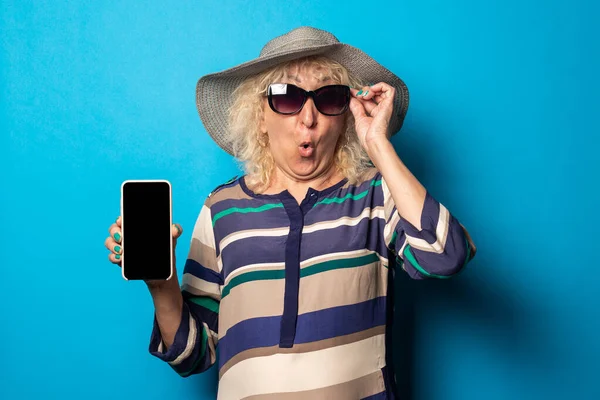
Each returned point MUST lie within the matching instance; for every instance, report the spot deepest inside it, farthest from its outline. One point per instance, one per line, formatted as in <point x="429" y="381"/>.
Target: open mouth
<point x="306" y="149"/>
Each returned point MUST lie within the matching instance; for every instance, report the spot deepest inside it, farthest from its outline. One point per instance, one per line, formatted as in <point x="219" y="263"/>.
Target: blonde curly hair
<point x="246" y="112"/>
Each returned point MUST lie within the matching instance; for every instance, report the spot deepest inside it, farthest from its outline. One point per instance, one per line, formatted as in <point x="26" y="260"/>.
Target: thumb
<point x="358" y="110"/>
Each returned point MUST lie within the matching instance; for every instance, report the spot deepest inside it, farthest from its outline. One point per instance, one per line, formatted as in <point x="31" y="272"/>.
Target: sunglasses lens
<point x="286" y="99"/>
<point x="332" y="100"/>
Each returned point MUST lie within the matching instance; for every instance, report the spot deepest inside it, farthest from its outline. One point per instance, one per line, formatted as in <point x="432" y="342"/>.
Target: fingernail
<point x="366" y="93"/>
<point x="117" y="237"/>
<point x="117" y="249"/>
<point x="117" y="256"/>
<point x="359" y="93"/>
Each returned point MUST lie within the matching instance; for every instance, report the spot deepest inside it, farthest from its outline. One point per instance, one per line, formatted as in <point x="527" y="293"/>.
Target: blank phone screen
<point x="146" y="228"/>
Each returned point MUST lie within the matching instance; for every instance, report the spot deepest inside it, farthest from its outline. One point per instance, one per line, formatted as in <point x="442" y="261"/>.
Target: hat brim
<point x="214" y="91"/>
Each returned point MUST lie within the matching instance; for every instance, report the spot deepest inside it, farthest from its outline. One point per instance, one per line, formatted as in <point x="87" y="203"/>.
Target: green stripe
<point x="339" y="264"/>
<point x="206" y="302"/>
<point x="409" y="256"/>
<point x="349" y="196"/>
<point x="202" y="351"/>
<point x="252" y="276"/>
<point x="393" y="239"/>
<point x="245" y="210"/>
<point x="313" y="269"/>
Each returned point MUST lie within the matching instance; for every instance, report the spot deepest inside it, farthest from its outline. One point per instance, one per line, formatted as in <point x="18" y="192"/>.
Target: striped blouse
<point x="296" y="296"/>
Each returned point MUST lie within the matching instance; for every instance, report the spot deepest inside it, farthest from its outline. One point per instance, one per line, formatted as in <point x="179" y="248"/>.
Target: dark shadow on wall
<point x="500" y="323"/>
<point x="206" y="383"/>
<point x="492" y="311"/>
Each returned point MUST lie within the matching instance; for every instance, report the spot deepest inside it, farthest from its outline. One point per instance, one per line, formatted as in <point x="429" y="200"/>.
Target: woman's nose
<point x="308" y="114"/>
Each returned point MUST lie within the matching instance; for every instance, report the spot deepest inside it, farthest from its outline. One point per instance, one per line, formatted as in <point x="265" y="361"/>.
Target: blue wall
<point x="503" y="128"/>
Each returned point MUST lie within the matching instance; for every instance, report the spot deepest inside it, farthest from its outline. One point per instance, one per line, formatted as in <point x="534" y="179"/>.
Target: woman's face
<point x="303" y="145"/>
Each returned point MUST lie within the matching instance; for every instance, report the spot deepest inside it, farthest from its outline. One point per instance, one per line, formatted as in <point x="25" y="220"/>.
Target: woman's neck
<point x="281" y="181"/>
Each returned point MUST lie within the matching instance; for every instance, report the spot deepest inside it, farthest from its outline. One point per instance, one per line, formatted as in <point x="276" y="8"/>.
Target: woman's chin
<point x="306" y="168"/>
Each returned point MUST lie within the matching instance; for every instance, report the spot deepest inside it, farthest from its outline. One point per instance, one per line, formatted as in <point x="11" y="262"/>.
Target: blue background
<point x="502" y="128"/>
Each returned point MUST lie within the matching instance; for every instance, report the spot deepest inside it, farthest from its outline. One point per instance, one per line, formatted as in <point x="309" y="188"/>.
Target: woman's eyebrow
<point x="298" y="80"/>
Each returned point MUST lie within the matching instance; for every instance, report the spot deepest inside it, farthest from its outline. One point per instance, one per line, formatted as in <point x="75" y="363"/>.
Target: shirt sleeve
<point x="441" y="249"/>
<point x="194" y="348"/>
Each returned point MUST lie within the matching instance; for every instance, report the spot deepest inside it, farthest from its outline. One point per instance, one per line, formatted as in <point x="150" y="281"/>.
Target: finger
<point x="115" y="258"/>
<point x="365" y="98"/>
<point x="115" y="233"/>
<point x="382" y="91"/>
<point x="381" y="87"/>
<point x="370" y="106"/>
<point x="118" y="221"/>
<point x="176" y="231"/>
<point x="113" y="246"/>
<point x="357" y="108"/>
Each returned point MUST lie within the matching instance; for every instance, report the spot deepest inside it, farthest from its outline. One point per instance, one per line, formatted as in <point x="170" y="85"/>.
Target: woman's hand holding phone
<point x="113" y="244"/>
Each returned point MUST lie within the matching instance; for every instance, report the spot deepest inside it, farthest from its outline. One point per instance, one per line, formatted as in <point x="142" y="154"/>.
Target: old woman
<point x="290" y="265"/>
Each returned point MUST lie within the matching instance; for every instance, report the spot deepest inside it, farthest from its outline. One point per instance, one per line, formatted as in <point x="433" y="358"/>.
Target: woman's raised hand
<point x="372" y="107"/>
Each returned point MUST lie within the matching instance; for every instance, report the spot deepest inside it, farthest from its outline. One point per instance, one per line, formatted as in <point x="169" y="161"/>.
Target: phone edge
<point x="170" y="222"/>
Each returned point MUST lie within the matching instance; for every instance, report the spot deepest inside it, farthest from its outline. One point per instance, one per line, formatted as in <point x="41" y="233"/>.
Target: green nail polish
<point x="366" y="93"/>
<point x="117" y="256"/>
<point x="117" y="237"/>
<point x="359" y="93"/>
<point x="117" y="249"/>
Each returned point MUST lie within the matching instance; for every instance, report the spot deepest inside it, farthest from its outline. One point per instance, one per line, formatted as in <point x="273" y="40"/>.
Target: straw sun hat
<point x="213" y="91"/>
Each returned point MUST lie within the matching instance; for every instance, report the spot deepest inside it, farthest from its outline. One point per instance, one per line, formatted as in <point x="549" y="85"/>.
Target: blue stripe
<point x="273" y="218"/>
<point x="314" y="326"/>
<point x="202" y="314"/>
<point x="446" y="264"/>
<point x="367" y="234"/>
<point x="196" y="269"/>
<point x="429" y="219"/>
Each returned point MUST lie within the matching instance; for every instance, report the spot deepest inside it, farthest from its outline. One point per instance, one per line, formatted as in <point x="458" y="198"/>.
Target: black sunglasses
<point x="288" y="99"/>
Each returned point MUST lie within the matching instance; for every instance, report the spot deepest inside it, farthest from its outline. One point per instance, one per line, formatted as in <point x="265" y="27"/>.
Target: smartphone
<point x="146" y="219"/>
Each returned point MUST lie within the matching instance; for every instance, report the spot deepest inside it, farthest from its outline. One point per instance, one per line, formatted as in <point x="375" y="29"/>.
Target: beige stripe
<point x="400" y="252"/>
<point x="230" y="193"/>
<point x="334" y="256"/>
<point x="272" y="232"/>
<point x="203" y="255"/>
<point x="384" y="261"/>
<point x="253" y="299"/>
<point x="212" y="343"/>
<point x="303" y="371"/>
<point x="340" y="287"/>
<point x="441" y="233"/>
<point x="190" y="343"/>
<point x="198" y="286"/>
<point x="203" y="229"/>
<point x="376" y="212"/>
<point x="200" y="293"/>
<point x="317" y="292"/>
<point x="302" y="348"/>
<point x="388" y="230"/>
<point x="356" y="389"/>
